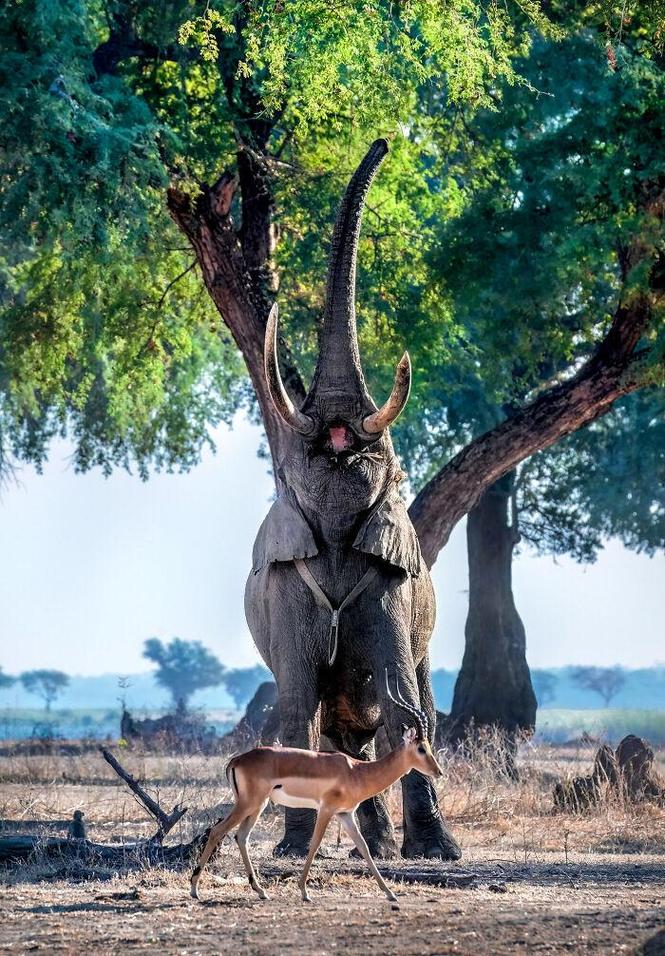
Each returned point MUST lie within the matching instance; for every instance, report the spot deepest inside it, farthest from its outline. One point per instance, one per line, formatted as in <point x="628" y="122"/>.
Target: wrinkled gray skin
<point x="335" y="475"/>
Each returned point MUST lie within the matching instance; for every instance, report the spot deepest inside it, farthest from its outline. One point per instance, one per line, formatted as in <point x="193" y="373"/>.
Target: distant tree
<point x="5" y="680"/>
<point x="544" y="684"/>
<point x="605" y="681"/>
<point x="46" y="684"/>
<point x="242" y="682"/>
<point x="183" y="667"/>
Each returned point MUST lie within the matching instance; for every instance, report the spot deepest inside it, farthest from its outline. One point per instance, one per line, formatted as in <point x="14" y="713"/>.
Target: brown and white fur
<point x="333" y="784"/>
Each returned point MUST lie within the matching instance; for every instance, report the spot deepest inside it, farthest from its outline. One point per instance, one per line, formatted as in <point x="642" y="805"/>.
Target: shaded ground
<point x="547" y="883"/>
<point x="592" y="905"/>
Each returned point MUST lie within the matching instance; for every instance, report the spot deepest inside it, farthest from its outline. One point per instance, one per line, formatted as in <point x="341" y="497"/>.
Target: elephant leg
<point x="299" y="727"/>
<point x="374" y="820"/>
<point x="425" y="833"/>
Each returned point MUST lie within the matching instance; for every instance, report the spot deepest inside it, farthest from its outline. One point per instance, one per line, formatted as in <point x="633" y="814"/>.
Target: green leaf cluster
<point x="103" y="331"/>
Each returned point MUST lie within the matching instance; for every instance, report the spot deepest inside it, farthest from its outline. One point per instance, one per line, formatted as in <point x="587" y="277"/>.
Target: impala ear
<point x="409" y="734"/>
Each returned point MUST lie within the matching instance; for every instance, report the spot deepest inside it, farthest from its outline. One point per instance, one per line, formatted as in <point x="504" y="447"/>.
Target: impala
<point x="331" y="783"/>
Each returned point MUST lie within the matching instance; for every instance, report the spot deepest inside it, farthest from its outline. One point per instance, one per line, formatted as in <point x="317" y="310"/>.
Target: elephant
<point x="339" y="535"/>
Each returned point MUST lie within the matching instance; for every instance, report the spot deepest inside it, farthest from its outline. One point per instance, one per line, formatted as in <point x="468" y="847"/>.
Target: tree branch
<point x="234" y="286"/>
<point x="123" y="44"/>
<point x="166" y="821"/>
<point x="613" y="371"/>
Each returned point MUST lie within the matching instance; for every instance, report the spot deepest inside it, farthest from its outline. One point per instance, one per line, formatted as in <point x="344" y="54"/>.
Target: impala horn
<point x="286" y="409"/>
<point x="399" y="396"/>
<point x="420" y="717"/>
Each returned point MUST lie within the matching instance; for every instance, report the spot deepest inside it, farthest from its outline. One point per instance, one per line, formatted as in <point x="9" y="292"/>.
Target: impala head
<point x="416" y="738"/>
<point x="420" y="753"/>
<point x="345" y="456"/>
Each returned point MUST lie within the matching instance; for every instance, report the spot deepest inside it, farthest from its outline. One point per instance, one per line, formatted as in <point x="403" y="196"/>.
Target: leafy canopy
<point x="104" y="328"/>
<point x="242" y="682"/>
<point x="183" y="667"/>
<point x="490" y="245"/>
<point x="47" y="684"/>
<point x="548" y="193"/>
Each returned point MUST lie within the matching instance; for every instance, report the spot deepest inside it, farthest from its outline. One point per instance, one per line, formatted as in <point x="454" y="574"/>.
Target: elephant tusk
<point x="399" y="396"/>
<point x="280" y="399"/>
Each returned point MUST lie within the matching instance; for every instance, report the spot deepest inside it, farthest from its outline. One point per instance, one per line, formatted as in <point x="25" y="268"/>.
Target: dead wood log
<point x="166" y="821"/>
<point x="638" y="777"/>
<point x="22" y="848"/>
<point x="627" y="774"/>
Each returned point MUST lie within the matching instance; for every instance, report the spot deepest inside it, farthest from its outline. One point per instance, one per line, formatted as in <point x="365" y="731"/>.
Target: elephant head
<point x="342" y="457"/>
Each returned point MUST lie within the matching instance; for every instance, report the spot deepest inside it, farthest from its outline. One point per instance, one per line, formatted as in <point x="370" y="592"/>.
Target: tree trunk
<point x="231" y="275"/>
<point x="494" y="684"/>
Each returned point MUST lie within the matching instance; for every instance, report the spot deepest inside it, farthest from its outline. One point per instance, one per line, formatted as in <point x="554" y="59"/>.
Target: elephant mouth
<point x="340" y="447"/>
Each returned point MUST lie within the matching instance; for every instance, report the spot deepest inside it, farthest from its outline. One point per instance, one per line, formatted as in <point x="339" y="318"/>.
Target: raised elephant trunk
<point x="338" y="394"/>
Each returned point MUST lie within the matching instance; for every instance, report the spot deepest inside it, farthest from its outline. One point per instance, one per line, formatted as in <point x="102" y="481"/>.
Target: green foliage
<point x="605" y="480"/>
<point x="548" y="189"/>
<point x="242" y="682"/>
<point x="605" y="681"/>
<point x="489" y="247"/>
<point x="544" y="685"/>
<point x="6" y="680"/>
<point x="47" y="684"/>
<point x="324" y="65"/>
<point x="98" y="335"/>
<point x="183" y="667"/>
<point x="104" y="327"/>
<point x="547" y="193"/>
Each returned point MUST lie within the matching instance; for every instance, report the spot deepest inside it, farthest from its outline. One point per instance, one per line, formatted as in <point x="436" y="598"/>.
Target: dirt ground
<point x="545" y="882"/>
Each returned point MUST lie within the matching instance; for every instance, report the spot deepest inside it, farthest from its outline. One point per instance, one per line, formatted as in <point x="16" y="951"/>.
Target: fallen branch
<point x="25" y="847"/>
<point x="166" y="821"/>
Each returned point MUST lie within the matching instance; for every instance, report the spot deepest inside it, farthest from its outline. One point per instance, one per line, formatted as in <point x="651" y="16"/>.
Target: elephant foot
<point x="382" y="848"/>
<point x="290" y="847"/>
<point x="440" y="845"/>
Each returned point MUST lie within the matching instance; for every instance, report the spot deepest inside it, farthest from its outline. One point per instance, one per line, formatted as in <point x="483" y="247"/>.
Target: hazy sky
<point x="91" y="567"/>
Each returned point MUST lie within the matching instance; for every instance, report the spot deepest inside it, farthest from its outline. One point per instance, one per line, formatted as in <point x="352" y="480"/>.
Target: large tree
<point x="554" y="195"/>
<point x="243" y="122"/>
<point x="183" y="667"/>
<point x="116" y="111"/>
<point x="47" y="684"/>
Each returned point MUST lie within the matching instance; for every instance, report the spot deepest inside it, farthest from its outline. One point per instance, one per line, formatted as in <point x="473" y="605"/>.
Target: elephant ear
<point x="389" y="534"/>
<point x="283" y="536"/>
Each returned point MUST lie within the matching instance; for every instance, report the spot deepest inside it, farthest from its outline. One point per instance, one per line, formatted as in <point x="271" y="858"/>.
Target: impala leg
<point x="322" y="821"/>
<point x="348" y="821"/>
<point x="242" y="836"/>
<point x="215" y="837"/>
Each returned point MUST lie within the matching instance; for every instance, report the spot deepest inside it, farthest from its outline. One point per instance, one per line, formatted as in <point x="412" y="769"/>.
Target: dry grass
<point x="572" y="881"/>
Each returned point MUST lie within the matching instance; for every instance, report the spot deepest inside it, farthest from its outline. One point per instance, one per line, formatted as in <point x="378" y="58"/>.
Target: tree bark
<point x="237" y="291"/>
<point x="494" y="684"/>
